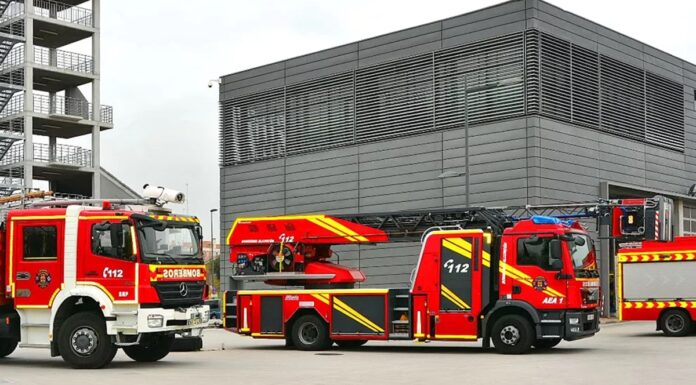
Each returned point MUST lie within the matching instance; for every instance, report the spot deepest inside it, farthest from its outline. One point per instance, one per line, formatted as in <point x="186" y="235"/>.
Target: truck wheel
<point x="350" y="344"/>
<point x="675" y="323"/>
<point x="83" y="342"/>
<point x="309" y="332"/>
<point x="512" y="334"/>
<point x="546" y="343"/>
<point x="152" y="349"/>
<point x="7" y="346"/>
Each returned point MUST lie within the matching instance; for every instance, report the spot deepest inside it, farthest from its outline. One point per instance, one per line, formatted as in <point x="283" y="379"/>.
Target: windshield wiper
<point x="169" y="257"/>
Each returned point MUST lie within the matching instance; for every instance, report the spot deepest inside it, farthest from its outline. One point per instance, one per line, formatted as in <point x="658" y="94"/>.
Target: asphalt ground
<point x="622" y="353"/>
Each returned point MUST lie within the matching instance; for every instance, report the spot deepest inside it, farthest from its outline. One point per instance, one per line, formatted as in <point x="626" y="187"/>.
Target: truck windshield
<point x="169" y="242"/>
<point x="583" y="255"/>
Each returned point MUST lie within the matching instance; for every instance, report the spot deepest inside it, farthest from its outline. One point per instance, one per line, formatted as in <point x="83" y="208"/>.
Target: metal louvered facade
<point x="527" y="72"/>
<point x="519" y="103"/>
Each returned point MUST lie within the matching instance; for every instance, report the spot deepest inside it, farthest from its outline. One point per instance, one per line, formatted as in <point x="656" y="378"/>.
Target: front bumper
<point x="580" y="324"/>
<point x="181" y="319"/>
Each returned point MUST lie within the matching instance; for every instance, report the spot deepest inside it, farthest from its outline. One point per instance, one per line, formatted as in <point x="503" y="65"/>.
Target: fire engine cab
<point x="84" y="278"/>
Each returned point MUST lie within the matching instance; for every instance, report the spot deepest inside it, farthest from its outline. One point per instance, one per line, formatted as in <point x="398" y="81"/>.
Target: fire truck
<point x="522" y="277"/>
<point x="83" y="278"/>
<point x="656" y="281"/>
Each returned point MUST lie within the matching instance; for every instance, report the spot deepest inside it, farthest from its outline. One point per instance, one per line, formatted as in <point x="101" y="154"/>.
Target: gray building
<point x="519" y="103"/>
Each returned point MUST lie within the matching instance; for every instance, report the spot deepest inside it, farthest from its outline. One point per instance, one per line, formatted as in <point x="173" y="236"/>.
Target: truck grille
<point x="171" y="294"/>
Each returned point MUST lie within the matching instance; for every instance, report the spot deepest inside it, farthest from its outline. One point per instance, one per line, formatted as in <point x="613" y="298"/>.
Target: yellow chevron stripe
<point x="335" y="224"/>
<point x="352" y="313"/>
<point x="339" y="305"/>
<point x="321" y="298"/>
<point x="486" y="259"/>
<point x="449" y="294"/>
<point x="525" y="279"/>
<point x="456" y="248"/>
<point x="326" y="226"/>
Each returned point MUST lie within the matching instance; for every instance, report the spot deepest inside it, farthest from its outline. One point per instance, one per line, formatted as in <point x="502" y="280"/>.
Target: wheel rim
<point x="510" y="335"/>
<point x="309" y="333"/>
<point x="675" y="323"/>
<point x="84" y="341"/>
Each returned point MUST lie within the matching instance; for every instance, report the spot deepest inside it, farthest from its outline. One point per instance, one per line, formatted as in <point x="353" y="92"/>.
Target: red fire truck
<point x="83" y="278"/>
<point x="521" y="276"/>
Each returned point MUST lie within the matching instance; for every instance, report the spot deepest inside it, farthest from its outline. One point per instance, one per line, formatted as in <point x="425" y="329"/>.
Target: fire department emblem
<point x="43" y="278"/>
<point x="540" y="283"/>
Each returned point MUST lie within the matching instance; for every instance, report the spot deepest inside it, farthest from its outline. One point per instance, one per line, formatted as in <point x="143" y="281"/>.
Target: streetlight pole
<point x="212" y="243"/>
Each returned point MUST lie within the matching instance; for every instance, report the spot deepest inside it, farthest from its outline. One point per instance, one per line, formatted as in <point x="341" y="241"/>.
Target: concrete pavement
<point x="623" y="353"/>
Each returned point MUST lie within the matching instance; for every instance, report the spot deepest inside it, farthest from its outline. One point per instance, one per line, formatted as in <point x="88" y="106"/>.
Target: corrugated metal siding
<point x="468" y="84"/>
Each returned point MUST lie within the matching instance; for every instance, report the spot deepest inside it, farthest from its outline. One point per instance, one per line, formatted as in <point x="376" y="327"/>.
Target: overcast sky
<point x="158" y="55"/>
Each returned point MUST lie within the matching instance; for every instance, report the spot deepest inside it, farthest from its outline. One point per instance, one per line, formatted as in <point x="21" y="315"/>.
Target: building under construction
<point x="49" y="95"/>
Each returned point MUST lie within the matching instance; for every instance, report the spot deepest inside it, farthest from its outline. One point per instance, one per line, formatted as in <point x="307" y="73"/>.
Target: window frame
<point x="128" y="238"/>
<point x="548" y="236"/>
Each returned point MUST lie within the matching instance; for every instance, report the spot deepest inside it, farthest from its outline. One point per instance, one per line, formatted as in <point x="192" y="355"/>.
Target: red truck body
<point x="532" y="284"/>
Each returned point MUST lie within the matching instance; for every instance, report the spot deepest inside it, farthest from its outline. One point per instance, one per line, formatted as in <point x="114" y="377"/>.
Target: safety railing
<point x="57" y="105"/>
<point x="61" y="154"/>
<point x="64" y="60"/>
<point x="67" y="60"/>
<point x="63" y="12"/>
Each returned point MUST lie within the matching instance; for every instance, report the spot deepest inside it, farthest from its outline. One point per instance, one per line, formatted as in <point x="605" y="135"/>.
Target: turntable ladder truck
<point x="521" y="276"/>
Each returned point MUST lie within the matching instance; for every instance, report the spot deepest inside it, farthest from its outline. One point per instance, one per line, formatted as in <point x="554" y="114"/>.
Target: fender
<point x="508" y="303"/>
<point x="93" y="292"/>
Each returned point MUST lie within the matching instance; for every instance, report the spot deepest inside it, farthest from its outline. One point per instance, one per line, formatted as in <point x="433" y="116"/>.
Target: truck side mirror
<point x="556" y="254"/>
<point x="580" y="241"/>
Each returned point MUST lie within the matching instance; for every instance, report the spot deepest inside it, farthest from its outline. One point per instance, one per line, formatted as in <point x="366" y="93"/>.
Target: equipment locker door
<point x="460" y="275"/>
<point x="37" y="253"/>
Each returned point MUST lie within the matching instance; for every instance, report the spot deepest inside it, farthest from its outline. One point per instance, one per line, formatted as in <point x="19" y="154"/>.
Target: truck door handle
<point x="91" y="274"/>
<point x="516" y="289"/>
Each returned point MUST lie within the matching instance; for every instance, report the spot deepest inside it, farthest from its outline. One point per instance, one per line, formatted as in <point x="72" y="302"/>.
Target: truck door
<point x="537" y="276"/>
<point x="37" y="253"/>
<point x="109" y="260"/>
<point x="460" y="294"/>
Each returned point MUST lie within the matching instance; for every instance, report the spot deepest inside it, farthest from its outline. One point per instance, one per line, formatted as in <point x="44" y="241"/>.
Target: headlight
<point x="155" y="321"/>
<point x="574" y="321"/>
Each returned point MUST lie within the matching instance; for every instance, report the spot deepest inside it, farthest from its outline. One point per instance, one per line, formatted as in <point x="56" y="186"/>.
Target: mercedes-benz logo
<point x="183" y="289"/>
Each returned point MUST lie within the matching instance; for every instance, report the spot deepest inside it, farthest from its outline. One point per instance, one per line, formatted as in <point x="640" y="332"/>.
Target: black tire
<point x="7" y="346"/>
<point x="310" y="332"/>
<point x="546" y="343"/>
<point x="350" y="344"/>
<point x="512" y="334"/>
<point x="152" y="348"/>
<point x="675" y="323"/>
<point x="83" y="342"/>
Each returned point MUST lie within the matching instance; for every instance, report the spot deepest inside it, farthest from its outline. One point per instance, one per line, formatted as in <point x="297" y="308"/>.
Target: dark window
<point x="114" y="242"/>
<point x="40" y="242"/>
<point x="536" y="251"/>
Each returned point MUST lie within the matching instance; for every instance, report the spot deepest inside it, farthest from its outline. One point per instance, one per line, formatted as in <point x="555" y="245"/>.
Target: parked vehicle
<point x="84" y="278"/>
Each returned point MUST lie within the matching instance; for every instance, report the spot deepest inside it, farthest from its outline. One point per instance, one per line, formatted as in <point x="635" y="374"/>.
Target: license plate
<point x="195" y="320"/>
<point x="590" y="317"/>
